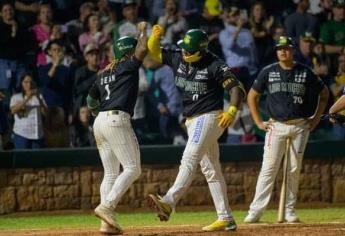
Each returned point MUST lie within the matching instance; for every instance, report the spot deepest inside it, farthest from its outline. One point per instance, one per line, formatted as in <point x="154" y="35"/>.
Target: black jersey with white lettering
<point x="291" y="94"/>
<point x="117" y="89"/>
<point x="202" y="83"/>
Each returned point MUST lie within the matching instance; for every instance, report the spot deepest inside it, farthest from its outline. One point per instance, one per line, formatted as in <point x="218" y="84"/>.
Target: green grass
<point x="79" y="220"/>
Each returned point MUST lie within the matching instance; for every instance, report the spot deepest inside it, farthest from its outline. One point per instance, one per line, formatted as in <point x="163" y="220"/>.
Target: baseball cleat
<point x="291" y="217"/>
<point x="163" y="209"/>
<point x="220" y="225"/>
<point x="252" y="218"/>
<point x="107" y="214"/>
<point x="109" y="230"/>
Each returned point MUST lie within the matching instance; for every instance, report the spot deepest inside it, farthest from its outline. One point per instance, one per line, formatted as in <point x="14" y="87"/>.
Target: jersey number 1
<point x="108" y="92"/>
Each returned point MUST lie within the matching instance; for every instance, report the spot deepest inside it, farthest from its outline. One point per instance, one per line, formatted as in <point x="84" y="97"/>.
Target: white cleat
<point x="107" y="214"/>
<point x="252" y="218"/>
<point x="109" y="230"/>
<point x="291" y="217"/>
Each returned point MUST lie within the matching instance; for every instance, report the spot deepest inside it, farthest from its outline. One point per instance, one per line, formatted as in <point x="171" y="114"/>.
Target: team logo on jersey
<point x="273" y="76"/>
<point x="301" y="77"/>
<point x="201" y="74"/>
<point x="181" y="68"/>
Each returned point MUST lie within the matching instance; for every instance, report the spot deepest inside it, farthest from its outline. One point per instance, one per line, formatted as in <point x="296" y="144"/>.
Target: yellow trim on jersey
<point x="155" y="50"/>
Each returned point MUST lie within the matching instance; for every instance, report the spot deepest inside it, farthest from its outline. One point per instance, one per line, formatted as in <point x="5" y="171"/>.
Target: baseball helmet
<point x="195" y="42"/>
<point x="284" y="41"/>
<point x="123" y="46"/>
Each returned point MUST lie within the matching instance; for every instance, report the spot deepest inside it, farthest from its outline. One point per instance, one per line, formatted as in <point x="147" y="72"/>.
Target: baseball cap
<point x="338" y="3"/>
<point x="89" y="48"/>
<point x="126" y="3"/>
<point x="213" y="7"/>
<point x="284" y="41"/>
<point x="308" y="36"/>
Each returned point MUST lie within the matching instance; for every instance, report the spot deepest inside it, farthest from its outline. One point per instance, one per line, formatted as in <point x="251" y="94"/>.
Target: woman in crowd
<point x="42" y="31"/>
<point x="92" y="33"/>
<point x="260" y="26"/>
<point x="81" y="134"/>
<point x="27" y="108"/>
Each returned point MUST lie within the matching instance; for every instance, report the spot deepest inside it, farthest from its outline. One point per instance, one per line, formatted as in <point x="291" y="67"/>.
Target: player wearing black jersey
<point x="296" y="98"/>
<point x="113" y="97"/>
<point x="201" y="77"/>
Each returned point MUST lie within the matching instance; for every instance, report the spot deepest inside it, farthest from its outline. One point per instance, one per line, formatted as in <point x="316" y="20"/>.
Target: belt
<point x="291" y="122"/>
<point x="195" y="116"/>
<point x="113" y="112"/>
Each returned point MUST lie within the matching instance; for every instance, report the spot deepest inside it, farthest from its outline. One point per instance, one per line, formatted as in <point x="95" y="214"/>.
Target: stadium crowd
<point x="51" y="51"/>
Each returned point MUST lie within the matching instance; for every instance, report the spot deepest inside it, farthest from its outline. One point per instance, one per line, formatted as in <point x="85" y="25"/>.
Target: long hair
<point x="113" y="64"/>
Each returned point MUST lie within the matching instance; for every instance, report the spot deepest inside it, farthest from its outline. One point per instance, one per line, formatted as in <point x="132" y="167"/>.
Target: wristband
<point x="232" y="110"/>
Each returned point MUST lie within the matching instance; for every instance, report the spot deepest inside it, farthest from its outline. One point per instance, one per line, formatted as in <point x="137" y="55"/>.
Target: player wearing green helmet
<point x="202" y="78"/>
<point x="113" y="98"/>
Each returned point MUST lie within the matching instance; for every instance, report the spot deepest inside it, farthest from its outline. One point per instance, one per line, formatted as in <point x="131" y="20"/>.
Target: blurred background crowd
<point x="51" y="51"/>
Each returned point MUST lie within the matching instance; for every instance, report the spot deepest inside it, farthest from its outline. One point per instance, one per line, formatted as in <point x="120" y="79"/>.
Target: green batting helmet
<point x="195" y="40"/>
<point x="123" y="46"/>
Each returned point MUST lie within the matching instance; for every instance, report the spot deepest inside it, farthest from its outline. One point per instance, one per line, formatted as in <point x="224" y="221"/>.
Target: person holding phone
<point x="27" y="108"/>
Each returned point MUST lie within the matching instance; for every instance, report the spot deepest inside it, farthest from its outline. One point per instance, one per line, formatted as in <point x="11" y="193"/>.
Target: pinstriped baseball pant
<point x="202" y="148"/>
<point x="117" y="144"/>
<point x="274" y="149"/>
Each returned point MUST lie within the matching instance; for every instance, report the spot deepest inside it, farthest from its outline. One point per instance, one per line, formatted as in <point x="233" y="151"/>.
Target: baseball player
<point x="296" y="98"/>
<point x="202" y="78"/>
<point x="113" y="97"/>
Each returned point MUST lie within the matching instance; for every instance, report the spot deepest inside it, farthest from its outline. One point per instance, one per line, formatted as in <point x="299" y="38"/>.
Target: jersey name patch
<point x="107" y="79"/>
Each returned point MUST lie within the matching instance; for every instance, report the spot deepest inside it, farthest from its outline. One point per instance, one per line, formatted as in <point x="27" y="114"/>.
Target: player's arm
<point x="154" y="45"/>
<point x="237" y="95"/>
<point x="92" y="100"/>
<point x="323" y="99"/>
<point x="141" y="48"/>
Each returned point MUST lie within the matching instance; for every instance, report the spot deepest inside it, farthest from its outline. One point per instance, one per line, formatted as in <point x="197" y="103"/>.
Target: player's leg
<point x="126" y="148"/>
<point x="211" y="168"/>
<point x="298" y="144"/>
<point x="111" y="169"/>
<point x="275" y="143"/>
<point x="199" y="129"/>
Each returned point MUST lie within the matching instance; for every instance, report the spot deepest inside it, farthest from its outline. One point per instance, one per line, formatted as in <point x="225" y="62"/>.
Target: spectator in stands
<point x="55" y="78"/>
<point x="76" y="27"/>
<point x="211" y="23"/>
<point x="107" y="17"/>
<point x="238" y="47"/>
<point x="27" y="12"/>
<point x="270" y="53"/>
<point x="80" y="133"/>
<point x="55" y="129"/>
<point x="42" y="31"/>
<point x="326" y="12"/>
<point x="261" y="26"/>
<point x="127" y="27"/>
<point x="333" y="31"/>
<point x="304" y="52"/>
<point x="300" y="21"/>
<point x="13" y="47"/>
<point x="27" y="108"/>
<point x="85" y="76"/>
<point x="337" y="87"/>
<point x="169" y="101"/>
<point x="92" y="33"/>
<point x="174" y="25"/>
<point x="139" y="117"/>
<point x="321" y="61"/>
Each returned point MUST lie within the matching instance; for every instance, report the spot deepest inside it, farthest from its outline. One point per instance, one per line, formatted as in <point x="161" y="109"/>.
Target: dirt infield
<point x="243" y="230"/>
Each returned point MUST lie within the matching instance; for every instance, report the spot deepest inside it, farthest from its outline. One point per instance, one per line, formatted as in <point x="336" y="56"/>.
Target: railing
<point x="153" y="154"/>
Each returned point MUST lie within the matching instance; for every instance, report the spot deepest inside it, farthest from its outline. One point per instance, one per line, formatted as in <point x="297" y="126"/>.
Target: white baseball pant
<point x="202" y="147"/>
<point x="117" y="144"/>
<point x="274" y="149"/>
